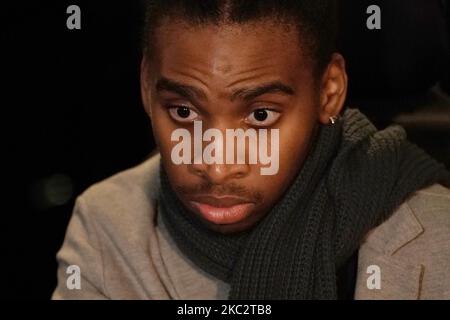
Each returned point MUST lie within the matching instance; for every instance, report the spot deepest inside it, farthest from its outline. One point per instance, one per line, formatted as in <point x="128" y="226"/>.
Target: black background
<point x="71" y="105"/>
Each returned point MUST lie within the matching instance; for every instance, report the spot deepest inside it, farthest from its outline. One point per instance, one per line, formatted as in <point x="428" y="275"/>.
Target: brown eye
<point x="183" y="114"/>
<point x="263" y="117"/>
<point x="260" y="115"/>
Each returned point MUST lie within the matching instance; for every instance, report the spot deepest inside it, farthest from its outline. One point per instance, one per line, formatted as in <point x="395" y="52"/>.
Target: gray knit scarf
<point x="352" y="180"/>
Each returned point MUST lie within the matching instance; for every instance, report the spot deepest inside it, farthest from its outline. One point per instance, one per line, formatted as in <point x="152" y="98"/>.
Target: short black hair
<point x="315" y="20"/>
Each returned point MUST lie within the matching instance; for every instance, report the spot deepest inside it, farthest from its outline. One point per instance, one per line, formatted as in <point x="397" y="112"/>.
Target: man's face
<point x="229" y="77"/>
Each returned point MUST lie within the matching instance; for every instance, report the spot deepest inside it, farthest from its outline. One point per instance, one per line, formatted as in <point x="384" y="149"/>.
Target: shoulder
<point x="413" y="246"/>
<point x="431" y="206"/>
<point x="142" y="179"/>
<point x="126" y="199"/>
<point x="112" y="234"/>
<point x="425" y="214"/>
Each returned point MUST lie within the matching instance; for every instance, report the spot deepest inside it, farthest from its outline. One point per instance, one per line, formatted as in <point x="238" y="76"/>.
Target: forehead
<point x="229" y="51"/>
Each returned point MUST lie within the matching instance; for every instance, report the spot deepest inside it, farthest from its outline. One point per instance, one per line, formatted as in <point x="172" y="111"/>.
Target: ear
<point x="146" y="84"/>
<point x="333" y="90"/>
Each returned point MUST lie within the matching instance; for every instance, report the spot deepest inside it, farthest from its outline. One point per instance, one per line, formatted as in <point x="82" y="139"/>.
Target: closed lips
<point x="223" y="210"/>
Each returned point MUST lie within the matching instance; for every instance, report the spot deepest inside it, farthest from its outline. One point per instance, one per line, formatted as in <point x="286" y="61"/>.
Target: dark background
<point x="72" y="115"/>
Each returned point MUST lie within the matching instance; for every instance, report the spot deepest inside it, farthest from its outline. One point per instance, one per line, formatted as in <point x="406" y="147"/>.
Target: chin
<point x="228" y="229"/>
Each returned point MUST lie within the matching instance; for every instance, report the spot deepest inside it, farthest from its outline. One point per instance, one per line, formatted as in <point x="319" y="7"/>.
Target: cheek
<point x="162" y="130"/>
<point x="163" y="127"/>
<point x="295" y="137"/>
<point x="296" y="133"/>
<point x="294" y="149"/>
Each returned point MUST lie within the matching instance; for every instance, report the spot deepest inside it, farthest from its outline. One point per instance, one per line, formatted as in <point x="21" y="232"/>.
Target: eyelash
<point x="271" y="110"/>
<point x="172" y="109"/>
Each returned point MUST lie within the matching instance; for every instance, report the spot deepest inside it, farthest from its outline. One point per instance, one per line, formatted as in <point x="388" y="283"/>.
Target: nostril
<point x="199" y="172"/>
<point x="239" y="175"/>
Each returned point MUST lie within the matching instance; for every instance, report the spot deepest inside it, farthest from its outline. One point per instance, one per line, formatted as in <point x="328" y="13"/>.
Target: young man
<point x="317" y="204"/>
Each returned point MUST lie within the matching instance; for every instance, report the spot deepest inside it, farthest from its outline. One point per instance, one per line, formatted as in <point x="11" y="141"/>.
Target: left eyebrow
<point x="272" y="87"/>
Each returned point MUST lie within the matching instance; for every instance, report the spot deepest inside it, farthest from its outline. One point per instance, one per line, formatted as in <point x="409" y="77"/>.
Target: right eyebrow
<point x="186" y="91"/>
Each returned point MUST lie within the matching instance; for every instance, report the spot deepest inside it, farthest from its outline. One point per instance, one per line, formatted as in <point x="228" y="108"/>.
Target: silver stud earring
<point x="333" y="119"/>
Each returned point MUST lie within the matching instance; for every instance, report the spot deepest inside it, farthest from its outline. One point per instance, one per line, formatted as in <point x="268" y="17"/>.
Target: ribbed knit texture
<point x="352" y="180"/>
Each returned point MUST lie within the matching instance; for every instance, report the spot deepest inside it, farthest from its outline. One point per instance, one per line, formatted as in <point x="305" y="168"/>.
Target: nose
<point x="220" y="173"/>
